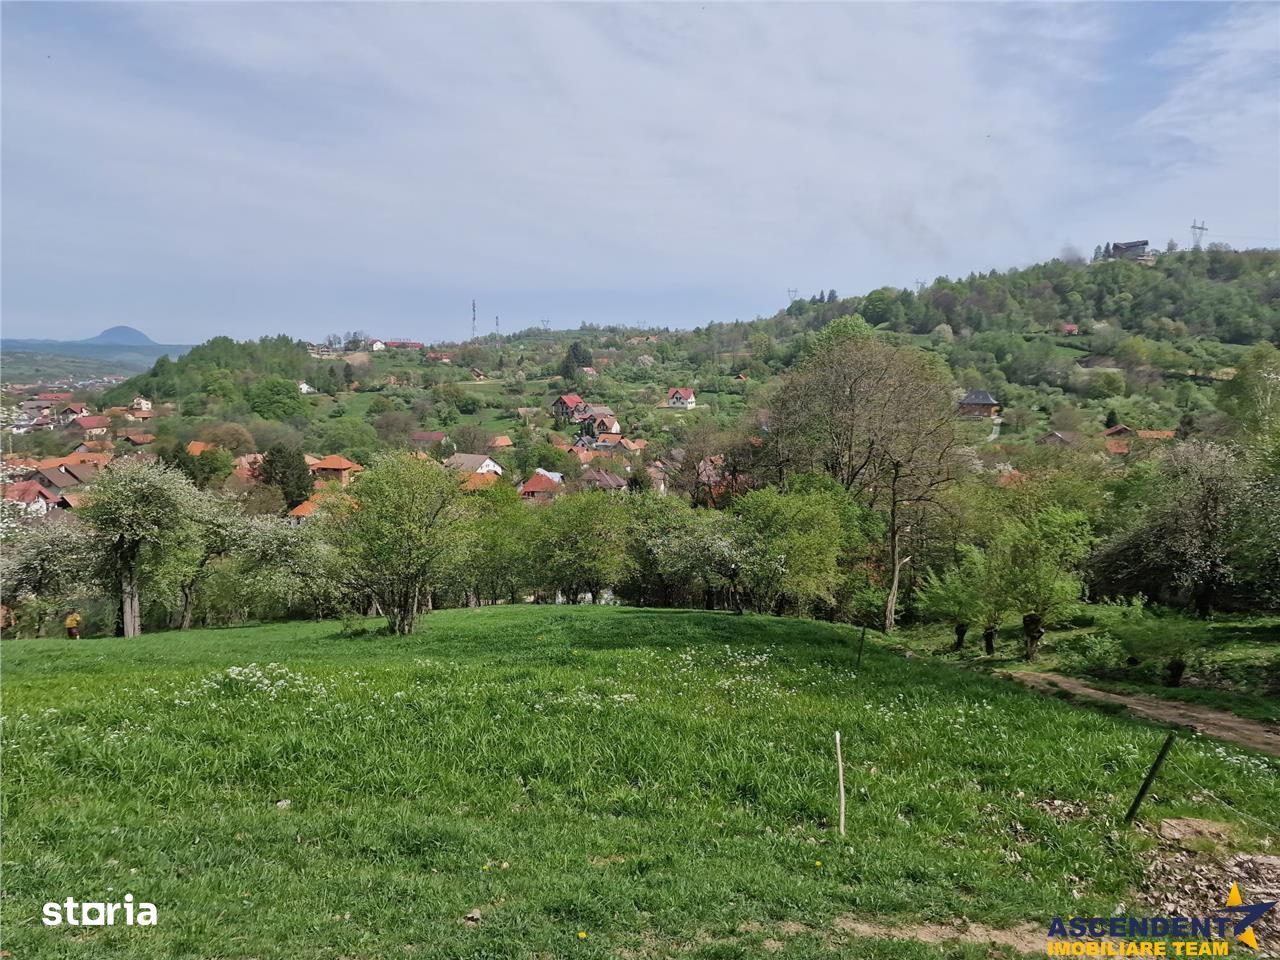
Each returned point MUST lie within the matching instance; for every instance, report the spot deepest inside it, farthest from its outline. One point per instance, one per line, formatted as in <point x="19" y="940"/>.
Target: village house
<point x="403" y="345"/>
<point x="305" y="388"/>
<point x="139" y="415"/>
<point x="1058" y="438"/>
<point x="601" y="480"/>
<point x="681" y="398"/>
<point x="136" y="438"/>
<point x="92" y="426"/>
<point x="140" y="403"/>
<point x="73" y="410"/>
<point x="54" y="397"/>
<point x="1129" y="250"/>
<point x="427" y="438"/>
<point x="473" y="463"/>
<point x="95" y="446"/>
<point x="31" y="497"/>
<point x="657" y="472"/>
<point x="500" y="442"/>
<point x="979" y="403"/>
<point x="65" y="476"/>
<point x="597" y="425"/>
<point x="592" y="411"/>
<point x="542" y="487"/>
<point x="564" y="405"/>
<point x="588" y="372"/>
<point x="334" y="468"/>
<point x="305" y="509"/>
<point x="474" y="482"/>
<point x="477" y="373"/>
<point x="1069" y="329"/>
<point x="378" y="345"/>
<point x="246" y="467"/>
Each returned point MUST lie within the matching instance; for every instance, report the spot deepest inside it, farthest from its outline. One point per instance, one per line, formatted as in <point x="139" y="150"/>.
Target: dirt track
<point x="1214" y="723"/>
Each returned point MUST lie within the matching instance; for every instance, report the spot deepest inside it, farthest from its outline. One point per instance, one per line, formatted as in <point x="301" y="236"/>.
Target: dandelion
<point x="582" y="934"/>
<point x="817" y="863"/>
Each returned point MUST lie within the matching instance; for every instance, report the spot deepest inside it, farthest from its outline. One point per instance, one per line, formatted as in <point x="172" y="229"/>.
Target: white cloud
<point x="296" y="154"/>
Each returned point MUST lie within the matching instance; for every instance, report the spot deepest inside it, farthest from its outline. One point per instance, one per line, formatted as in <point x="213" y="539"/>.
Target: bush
<point x="1094" y="654"/>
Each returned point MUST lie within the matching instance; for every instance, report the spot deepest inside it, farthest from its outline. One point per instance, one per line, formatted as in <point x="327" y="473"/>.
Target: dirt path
<point x="1215" y="723"/>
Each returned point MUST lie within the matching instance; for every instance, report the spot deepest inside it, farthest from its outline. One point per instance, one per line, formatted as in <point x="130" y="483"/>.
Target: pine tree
<point x="286" y="468"/>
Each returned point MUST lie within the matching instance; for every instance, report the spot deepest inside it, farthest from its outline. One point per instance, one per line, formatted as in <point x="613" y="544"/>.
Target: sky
<point x="197" y="169"/>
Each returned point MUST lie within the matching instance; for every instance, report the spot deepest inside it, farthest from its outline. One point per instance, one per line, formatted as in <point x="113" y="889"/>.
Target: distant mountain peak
<point x="122" y="336"/>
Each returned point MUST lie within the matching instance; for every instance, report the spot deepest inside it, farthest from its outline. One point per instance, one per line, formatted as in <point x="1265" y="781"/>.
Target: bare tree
<point x="881" y="420"/>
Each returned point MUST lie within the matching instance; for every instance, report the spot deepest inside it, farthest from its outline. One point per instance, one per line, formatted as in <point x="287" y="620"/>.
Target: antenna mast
<point x="473" y="319"/>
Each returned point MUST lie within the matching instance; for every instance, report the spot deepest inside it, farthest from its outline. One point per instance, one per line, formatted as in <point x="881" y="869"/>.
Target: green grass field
<point x="661" y="782"/>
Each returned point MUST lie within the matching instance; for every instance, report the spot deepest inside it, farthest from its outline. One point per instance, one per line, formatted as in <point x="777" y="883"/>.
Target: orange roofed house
<point x="334" y="468"/>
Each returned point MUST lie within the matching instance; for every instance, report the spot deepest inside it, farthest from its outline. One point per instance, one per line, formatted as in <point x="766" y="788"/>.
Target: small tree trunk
<point x="895" y="564"/>
<point x="1032" y="631"/>
<point x="961" y="630"/>
<point x="989" y="639"/>
<point x="188" y="606"/>
<point x="130" y="612"/>
<point x="1174" y="671"/>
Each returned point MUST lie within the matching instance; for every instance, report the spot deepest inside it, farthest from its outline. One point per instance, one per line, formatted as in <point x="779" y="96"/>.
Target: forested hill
<point x="1223" y="295"/>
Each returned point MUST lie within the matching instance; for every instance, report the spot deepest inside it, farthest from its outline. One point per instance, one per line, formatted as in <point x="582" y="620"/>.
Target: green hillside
<point x="595" y="782"/>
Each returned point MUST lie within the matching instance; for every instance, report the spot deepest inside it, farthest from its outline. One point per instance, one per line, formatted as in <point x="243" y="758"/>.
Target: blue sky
<point x="194" y="169"/>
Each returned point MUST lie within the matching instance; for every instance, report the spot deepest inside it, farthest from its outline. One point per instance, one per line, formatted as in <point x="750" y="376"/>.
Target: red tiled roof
<point x="92" y="423"/>
<point x="570" y="400"/>
<point x="539" y="483"/>
<point x="26" y="491"/>
<point x="1117" y="447"/>
<point x="1118" y="430"/>
<point x="305" y="508"/>
<point x="335" y="462"/>
<point x="197" y="447"/>
<point x="1156" y="434"/>
<point x="685" y="393"/>
<point x="500" y="442"/>
<point x="428" y="436"/>
<point x="55" y="397"/>
<point x="479" y="481"/>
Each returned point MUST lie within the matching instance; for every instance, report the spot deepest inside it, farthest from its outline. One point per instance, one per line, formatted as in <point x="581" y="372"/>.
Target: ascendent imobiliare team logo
<point x="1159" y="936"/>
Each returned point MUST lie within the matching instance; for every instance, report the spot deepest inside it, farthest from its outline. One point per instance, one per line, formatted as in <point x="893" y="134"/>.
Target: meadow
<point x="545" y="781"/>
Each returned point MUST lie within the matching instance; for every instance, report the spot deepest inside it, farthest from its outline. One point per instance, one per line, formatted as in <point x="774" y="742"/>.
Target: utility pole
<point x="474" y="332"/>
<point x="1197" y="233"/>
<point x="497" y="327"/>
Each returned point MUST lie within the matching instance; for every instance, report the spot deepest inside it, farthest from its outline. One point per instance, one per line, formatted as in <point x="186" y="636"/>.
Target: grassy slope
<point x="641" y="776"/>
<point x="1228" y="670"/>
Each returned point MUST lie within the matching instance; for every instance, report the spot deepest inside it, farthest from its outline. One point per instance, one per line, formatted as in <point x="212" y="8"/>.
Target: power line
<point x="1197" y="233"/>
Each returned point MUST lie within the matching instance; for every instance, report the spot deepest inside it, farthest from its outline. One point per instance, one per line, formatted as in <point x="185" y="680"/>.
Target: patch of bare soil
<point x="1214" y="723"/>
<point x="1023" y="938"/>
<point x="1195" y="883"/>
